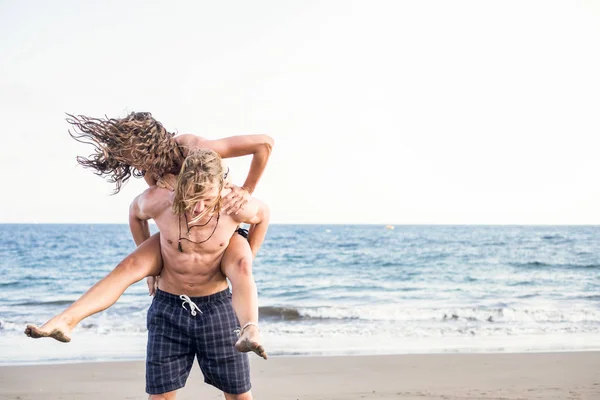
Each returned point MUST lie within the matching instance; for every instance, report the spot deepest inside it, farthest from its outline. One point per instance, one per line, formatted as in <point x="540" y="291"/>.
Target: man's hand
<point x="235" y="199"/>
<point x="152" y="282"/>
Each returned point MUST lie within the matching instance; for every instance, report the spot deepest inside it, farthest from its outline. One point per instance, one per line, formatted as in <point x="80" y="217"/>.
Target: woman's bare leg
<point x="144" y="261"/>
<point x="237" y="266"/>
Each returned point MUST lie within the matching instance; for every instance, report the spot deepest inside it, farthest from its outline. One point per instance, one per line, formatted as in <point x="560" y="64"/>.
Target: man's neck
<point x="202" y="221"/>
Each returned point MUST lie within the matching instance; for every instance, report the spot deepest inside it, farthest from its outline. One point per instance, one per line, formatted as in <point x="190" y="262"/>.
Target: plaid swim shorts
<point x="204" y="327"/>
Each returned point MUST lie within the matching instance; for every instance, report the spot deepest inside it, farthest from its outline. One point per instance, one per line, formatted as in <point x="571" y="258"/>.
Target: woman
<point x="138" y="145"/>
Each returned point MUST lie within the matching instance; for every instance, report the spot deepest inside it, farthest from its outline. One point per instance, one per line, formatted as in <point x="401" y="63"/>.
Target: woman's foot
<point x="57" y="328"/>
<point x="250" y="341"/>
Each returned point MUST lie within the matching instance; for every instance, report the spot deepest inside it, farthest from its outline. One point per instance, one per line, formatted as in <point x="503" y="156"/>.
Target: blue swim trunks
<point x="203" y="327"/>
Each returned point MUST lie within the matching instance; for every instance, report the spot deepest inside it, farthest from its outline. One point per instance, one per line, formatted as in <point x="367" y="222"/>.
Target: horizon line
<point x="329" y="223"/>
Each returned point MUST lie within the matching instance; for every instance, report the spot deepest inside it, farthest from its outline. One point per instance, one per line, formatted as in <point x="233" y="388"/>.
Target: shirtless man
<point x="191" y="313"/>
<point x="139" y="145"/>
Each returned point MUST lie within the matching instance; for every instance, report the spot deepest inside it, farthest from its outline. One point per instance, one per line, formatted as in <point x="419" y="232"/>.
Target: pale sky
<point x="391" y="112"/>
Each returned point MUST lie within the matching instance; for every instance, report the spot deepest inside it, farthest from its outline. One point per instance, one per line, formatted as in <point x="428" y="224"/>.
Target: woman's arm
<point x="259" y="146"/>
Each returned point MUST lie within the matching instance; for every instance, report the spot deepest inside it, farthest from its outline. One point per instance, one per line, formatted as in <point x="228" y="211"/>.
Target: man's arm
<point x="142" y="208"/>
<point x="138" y="221"/>
<point x="259" y="146"/>
<point x="256" y="213"/>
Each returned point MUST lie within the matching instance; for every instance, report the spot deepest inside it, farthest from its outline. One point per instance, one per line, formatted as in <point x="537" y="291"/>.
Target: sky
<point x="383" y="112"/>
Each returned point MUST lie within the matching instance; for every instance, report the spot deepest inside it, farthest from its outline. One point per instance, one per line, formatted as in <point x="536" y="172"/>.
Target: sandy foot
<point x="53" y="329"/>
<point x="250" y="341"/>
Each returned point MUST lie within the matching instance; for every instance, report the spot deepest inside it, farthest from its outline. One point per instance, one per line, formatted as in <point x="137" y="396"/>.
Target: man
<point x="191" y="314"/>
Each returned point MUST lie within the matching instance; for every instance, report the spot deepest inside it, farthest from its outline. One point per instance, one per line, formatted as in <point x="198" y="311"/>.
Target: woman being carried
<point x="138" y="145"/>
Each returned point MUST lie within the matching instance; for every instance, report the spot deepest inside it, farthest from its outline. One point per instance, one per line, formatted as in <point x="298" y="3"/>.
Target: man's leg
<point x="145" y="260"/>
<point x="237" y="266"/>
<point x="171" y="348"/>
<point x="245" y="396"/>
<point x="164" y="396"/>
<point x="222" y="365"/>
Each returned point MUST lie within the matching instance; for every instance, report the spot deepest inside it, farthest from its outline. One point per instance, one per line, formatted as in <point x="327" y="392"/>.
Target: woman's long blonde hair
<point x="201" y="171"/>
<point x="125" y="147"/>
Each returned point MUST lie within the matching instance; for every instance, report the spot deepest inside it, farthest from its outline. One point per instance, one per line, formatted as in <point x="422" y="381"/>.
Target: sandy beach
<point x="447" y="376"/>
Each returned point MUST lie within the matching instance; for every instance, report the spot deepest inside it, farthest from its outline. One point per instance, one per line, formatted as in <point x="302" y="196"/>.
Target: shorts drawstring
<point x="193" y="307"/>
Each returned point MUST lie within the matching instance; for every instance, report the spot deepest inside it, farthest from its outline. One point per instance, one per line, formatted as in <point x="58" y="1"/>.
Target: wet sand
<point x="419" y="377"/>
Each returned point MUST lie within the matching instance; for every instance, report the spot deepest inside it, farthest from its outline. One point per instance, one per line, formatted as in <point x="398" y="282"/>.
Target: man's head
<point x="199" y="185"/>
<point x="133" y="145"/>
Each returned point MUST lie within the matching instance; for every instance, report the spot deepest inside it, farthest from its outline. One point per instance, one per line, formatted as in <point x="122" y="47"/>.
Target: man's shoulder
<point x="156" y="192"/>
<point x="155" y="199"/>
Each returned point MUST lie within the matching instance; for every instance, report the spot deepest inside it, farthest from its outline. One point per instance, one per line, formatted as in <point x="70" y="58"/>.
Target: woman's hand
<point x="152" y="282"/>
<point x="235" y="199"/>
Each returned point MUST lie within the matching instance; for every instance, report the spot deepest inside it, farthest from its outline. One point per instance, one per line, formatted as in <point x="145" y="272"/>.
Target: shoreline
<point x="23" y="351"/>
<point x="316" y="355"/>
<point x="562" y="375"/>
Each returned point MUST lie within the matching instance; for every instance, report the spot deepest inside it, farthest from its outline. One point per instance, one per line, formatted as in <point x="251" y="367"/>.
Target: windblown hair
<point x="125" y="147"/>
<point x="201" y="171"/>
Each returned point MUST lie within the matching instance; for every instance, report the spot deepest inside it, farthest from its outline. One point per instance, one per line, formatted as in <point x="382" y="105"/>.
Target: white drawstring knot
<point x="193" y="307"/>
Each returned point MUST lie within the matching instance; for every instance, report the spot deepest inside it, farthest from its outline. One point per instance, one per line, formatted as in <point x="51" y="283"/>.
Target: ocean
<point x="330" y="290"/>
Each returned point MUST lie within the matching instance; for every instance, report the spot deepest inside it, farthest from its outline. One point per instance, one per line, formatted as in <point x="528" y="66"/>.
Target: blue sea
<point x="331" y="289"/>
